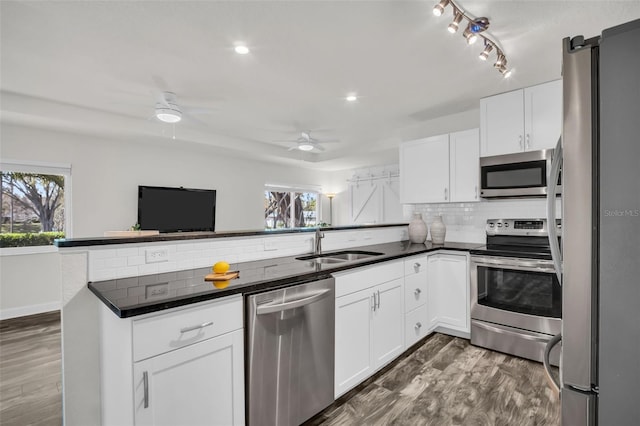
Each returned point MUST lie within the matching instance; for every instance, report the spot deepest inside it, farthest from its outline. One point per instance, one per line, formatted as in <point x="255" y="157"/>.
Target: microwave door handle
<point x="552" y="233"/>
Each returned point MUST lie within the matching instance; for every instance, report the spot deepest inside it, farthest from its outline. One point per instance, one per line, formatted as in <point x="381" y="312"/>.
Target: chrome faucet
<point x="318" y="241"/>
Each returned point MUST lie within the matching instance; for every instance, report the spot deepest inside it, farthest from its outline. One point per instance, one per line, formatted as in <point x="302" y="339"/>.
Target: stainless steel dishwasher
<point x="290" y="341"/>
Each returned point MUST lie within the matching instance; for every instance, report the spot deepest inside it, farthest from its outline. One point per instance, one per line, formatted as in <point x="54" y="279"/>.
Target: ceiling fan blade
<point x="318" y="147"/>
<point x="292" y="148"/>
<point x="327" y="140"/>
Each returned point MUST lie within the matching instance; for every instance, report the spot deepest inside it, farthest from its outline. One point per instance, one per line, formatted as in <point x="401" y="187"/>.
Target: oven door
<point x="521" y="293"/>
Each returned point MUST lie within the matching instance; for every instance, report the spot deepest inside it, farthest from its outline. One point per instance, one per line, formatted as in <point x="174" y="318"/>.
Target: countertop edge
<point x="181" y="236"/>
<point x="272" y="283"/>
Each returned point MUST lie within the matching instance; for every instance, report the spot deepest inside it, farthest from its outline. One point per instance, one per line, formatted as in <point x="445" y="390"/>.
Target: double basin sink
<point x="339" y="256"/>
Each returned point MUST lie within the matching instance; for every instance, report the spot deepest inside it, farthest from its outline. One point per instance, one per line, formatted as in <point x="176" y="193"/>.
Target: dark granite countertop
<point x="178" y="236"/>
<point x="128" y="297"/>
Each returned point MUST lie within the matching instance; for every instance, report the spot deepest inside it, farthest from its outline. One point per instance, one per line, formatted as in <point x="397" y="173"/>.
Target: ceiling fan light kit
<point x="167" y="110"/>
<point x="473" y="32"/>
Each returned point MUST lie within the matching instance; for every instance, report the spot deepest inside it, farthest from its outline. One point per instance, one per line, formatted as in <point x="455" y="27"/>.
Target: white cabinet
<point x="195" y="385"/>
<point x="180" y="366"/>
<point x="464" y="165"/>
<point x="448" y="295"/>
<point x="369" y="322"/>
<point x="424" y="170"/>
<point x="527" y="119"/>
<point x="415" y="299"/>
<point x="440" y="169"/>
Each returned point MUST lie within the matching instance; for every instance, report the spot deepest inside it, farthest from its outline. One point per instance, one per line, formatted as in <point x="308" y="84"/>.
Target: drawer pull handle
<point x="418" y="291"/>
<point x="145" y="383"/>
<point x="418" y="325"/>
<point x="416" y="265"/>
<point x="196" y="327"/>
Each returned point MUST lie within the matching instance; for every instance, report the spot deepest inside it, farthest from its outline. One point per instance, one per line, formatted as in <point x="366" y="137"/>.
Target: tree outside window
<point x="32" y="209"/>
<point x="290" y="209"/>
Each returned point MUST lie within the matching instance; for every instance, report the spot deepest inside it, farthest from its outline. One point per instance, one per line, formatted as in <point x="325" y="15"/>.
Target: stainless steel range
<point x="516" y="299"/>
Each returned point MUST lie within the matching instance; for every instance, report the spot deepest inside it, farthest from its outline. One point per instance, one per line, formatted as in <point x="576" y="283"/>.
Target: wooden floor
<point x="445" y="381"/>
<point x="30" y="371"/>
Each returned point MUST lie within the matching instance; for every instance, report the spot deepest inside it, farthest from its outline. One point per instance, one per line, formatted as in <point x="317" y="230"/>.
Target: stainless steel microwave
<point x="523" y="174"/>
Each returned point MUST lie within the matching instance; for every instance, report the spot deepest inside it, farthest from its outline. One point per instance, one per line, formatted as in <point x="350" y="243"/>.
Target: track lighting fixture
<point x="485" y="53"/>
<point x="474" y="31"/>
<point x="438" y="9"/>
<point x="470" y="36"/>
<point x="453" y="26"/>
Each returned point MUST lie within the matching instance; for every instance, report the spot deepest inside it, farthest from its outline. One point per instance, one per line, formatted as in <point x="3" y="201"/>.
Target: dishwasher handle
<point x="269" y="308"/>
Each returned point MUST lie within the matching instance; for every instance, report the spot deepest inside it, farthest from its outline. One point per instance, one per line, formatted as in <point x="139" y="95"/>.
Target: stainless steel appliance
<point x="290" y="358"/>
<point x="516" y="299"/>
<point x="524" y="174"/>
<point x="600" y="363"/>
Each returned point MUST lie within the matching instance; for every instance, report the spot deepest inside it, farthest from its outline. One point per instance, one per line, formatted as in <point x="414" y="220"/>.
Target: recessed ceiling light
<point x="351" y="98"/>
<point x="241" y="49"/>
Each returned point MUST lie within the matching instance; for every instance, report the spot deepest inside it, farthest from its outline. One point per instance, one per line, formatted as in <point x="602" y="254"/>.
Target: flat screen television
<point x="176" y="209"/>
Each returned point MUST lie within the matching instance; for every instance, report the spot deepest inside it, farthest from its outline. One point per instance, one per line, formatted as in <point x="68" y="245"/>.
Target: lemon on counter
<point x="221" y="284"/>
<point x="220" y="267"/>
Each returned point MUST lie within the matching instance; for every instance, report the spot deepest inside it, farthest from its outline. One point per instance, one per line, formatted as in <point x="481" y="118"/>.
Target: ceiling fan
<point x="307" y="143"/>
<point x="167" y="109"/>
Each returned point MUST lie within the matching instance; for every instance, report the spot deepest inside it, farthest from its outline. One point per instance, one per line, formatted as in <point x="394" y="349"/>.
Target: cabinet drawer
<point x="415" y="291"/>
<point x="359" y="279"/>
<point x="415" y="265"/>
<point x="182" y="327"/>
<point x="416" y="326"/>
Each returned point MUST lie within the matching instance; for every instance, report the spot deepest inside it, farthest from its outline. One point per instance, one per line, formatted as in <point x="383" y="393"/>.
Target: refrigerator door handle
<point x="551" y="209"/>
<point x="553" y="382"/>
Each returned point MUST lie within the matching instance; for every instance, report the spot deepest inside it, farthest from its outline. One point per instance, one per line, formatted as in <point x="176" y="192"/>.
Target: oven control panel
<point x="536" y="227"/>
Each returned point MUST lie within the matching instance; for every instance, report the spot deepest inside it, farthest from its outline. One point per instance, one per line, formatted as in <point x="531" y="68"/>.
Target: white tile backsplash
<point x="466" y="221"/>
<point x="129" y="260"/>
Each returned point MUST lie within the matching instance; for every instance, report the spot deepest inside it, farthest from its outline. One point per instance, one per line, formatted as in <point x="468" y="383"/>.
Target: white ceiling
<point x="97" y="67"/>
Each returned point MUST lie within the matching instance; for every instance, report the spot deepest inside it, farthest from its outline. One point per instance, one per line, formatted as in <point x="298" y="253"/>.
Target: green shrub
<point x="30" y="239"/>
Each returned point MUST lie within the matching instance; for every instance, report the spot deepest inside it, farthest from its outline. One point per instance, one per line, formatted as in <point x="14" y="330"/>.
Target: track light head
<point x="500" y="61"/>
<point x="453" y="26"/>
<point x="470" y="36"/>
<point x="485" y="53"/>
<point x="438" y="9"/>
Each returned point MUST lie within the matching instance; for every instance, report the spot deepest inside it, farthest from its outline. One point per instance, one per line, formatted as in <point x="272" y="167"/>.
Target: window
<point x="35" y="200"/>
<point x="290" y="208"/>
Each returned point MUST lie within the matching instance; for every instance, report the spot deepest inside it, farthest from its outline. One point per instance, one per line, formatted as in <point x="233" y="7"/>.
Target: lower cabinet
<point x="193" y="385"/>
<point x="369" y="322"/>
<point x="415" y="299"/>
<point x="448" y="278"/>
<point x="183" y="366"/>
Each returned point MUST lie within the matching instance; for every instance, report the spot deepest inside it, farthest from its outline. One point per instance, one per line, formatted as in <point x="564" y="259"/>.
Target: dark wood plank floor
<point x="444" y="381"/>
<point x="30" y="371"/>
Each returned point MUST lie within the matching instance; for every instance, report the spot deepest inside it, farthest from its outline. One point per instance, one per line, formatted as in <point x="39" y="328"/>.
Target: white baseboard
<point x="29" y="310"/>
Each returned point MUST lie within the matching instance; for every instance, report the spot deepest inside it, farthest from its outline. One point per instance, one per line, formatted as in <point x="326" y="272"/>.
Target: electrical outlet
<point x="157" y="290"/>
<point x="158" y="254"/>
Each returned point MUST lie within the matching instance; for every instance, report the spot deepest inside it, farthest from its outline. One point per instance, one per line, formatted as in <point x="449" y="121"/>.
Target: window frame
<point x="296" y="189"/>
<point x="61" y="169"/>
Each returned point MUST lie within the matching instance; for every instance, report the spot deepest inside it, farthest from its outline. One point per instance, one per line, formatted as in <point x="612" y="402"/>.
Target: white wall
<point x="29" y="284"/>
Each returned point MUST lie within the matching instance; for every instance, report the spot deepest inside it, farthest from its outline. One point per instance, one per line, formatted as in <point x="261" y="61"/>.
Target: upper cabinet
<point x="527" y="119"/>
<point x="440" y="169"/>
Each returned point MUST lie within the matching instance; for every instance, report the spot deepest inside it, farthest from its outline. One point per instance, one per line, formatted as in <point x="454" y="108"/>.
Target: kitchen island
<point x="119" y="274"/>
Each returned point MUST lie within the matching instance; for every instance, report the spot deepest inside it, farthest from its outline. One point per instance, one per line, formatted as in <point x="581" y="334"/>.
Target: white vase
<point x="438" y="230"/>
<point x="417" y="229"/>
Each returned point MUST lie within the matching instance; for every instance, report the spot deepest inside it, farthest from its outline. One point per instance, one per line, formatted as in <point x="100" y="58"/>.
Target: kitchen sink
<point x="339" y="256"/>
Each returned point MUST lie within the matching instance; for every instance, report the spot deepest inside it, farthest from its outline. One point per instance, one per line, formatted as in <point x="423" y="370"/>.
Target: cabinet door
<point x="198" y="384"/>
<point x="464" y="165"/>
<point x="424" y="170"/>
<point x="502" y="124"/>
<point x="543" y="115"/>
<point x="388" y="322"/>
<point x="353" y="362"/>
<point x="449" y="275"/>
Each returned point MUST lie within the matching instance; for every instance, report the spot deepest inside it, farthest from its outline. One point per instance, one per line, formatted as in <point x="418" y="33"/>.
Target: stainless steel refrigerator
<point x="600" y="361"/>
